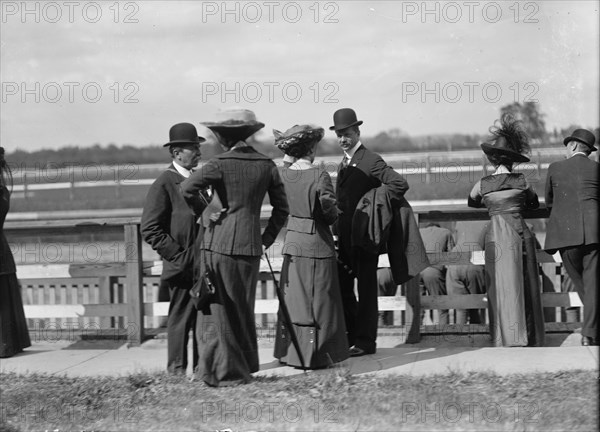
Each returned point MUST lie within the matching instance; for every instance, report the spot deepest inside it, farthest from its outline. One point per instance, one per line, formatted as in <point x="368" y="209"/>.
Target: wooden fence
<point x="122" y="294"/>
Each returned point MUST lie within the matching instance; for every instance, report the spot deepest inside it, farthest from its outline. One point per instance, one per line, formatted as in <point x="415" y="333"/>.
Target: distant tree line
<point x="391" y="141"/>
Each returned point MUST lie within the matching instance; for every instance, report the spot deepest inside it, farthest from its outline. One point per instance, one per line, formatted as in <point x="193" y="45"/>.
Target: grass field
<point x="330" y="401"/>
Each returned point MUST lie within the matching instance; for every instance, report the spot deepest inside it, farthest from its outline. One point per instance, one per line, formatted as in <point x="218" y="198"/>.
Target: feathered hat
<point x="235" y="120"/>
<point x="294" y="140"/>
<point x="509" y="140"/>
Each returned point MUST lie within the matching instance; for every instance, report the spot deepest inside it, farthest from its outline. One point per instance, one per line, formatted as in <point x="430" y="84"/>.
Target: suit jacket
<point x="380" y="227"/>
<point x="572" y="196"/>
<point x="169" y="226"/>
<point x="470" y="235"/>
<point x="241" y="177"/>
<point x="365" y="171"/>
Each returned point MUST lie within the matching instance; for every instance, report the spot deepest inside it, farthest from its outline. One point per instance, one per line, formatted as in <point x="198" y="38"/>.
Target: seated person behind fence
<point x="309" y="274"/>
<point x="468" y="278"/>
<point x="436" y="239"/>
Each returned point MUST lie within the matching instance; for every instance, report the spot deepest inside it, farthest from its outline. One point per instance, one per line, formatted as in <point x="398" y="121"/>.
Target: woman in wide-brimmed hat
<point x="309" y="274"/>
<point x="240" y="178"/>
<point x="512" y="278"/>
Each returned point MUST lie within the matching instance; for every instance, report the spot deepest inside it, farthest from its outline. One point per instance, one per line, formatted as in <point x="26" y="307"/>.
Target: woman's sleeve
<point x="326" y="197"/>
<point x="475" y="197"/>
<point x="192" y="187"/>
<point x="531" y="198"/>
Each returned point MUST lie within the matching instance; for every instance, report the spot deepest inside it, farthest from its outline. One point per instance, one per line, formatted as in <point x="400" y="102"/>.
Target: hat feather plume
<point x="513" y="131"/>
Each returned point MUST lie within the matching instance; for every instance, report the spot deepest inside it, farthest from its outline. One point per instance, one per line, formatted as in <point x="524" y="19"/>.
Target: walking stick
<point x="286" y="315"/>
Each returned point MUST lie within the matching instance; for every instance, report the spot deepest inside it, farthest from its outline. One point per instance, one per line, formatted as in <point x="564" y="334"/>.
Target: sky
<point x="84" y="73"/>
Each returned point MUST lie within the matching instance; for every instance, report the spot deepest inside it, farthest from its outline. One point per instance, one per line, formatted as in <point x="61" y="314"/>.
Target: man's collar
<point x="578" y="153"/>
<point x="181" y="170"/>
<point x="301" y="164"/>
<point x="501" y="170"/>
<point x="350" y="153"/>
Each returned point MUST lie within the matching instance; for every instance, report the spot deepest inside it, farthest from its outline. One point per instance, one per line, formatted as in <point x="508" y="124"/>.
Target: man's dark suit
<point x="572" y="196"/>
<point x="169" y="226"/>
<point x="365" y="171"/>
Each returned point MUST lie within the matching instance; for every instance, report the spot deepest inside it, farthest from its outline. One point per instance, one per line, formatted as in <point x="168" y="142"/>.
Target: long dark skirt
<point x="512" y="278"/>
<point x="227" y="336"/>
<point x="14" y="335"/>
<point x="314" y="301"/>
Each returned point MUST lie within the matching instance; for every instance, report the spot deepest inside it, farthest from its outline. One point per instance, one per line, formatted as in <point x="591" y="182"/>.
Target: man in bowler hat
<point x="169" y="226"/>
<point x="572" y="197"/>
<point x="361" y="170"/>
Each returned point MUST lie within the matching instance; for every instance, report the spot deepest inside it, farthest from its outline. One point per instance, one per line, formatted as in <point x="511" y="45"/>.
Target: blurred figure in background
<point x="433" y="278"/>
<point x="469" y="278"/>
<point x="14" y="335"/>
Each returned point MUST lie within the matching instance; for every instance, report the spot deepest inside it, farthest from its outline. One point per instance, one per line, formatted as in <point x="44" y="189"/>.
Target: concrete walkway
<point x="433" y="355"/>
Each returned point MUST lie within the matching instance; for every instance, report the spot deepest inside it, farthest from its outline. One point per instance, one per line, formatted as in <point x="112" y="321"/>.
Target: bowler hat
<point x="583" y="136"/>
<point x="239" y="121"/>
<point x="344" y="118"/>
<point x="501" y="146"/>
<point x="182" y="134"/>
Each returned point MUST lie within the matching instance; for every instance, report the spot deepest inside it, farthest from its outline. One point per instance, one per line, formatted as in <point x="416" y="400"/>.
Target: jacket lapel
<point x="353" y="164"/>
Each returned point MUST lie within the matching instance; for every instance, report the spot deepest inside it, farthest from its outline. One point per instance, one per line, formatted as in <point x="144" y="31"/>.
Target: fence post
<point x="25" y="185"/>
<point x="72" y="188"/>
<point x="135" y="300"/>
<point x="413" y="306"/>
<point x="104" y="297"/>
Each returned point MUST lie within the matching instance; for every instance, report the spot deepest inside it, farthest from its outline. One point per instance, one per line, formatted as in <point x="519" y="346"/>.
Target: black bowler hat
<point x="344" y="118"/>
<point x="583" y="136"/>
<point x="182" y="134"/>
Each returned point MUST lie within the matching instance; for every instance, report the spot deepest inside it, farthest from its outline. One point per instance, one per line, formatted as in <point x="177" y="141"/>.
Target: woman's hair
<point x="301" y="149"/>
<point x="498" y="159"/>
<point x="6" y="178"/>
<point x="298" y="141"/>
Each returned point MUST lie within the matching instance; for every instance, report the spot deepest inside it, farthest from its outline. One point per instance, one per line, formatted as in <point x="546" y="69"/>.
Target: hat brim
<point x="572" y="138"/>
<point x="337" y="128"/>
<point x="184" y="142"/>
<point x="240" y="128"/>
<point x="516" y="157"/>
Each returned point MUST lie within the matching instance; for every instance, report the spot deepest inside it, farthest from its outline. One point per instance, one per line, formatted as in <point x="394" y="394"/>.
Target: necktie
<point x="344" y="163"/>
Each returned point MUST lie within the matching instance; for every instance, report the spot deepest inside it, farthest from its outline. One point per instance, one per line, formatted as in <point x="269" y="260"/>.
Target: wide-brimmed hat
<point x="501" y="146"/>
<point x="183" y="134"/>
<point x="296" y="136"/>
<point x="344" y="118"/>
<point x="238" y="121"/>
<point x="583" y="136"/>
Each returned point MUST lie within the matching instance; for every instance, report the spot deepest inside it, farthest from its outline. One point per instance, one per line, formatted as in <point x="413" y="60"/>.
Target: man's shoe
<point x="358" y="352"/>
<point x="588" y="341"/>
